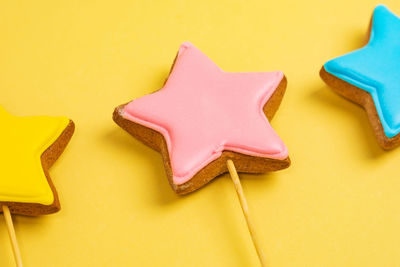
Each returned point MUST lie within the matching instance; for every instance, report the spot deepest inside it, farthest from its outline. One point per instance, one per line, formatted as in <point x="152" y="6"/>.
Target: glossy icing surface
<point x="22" y="142"/>
<point x="202" y="111"/>
<point x="375" y="68"/>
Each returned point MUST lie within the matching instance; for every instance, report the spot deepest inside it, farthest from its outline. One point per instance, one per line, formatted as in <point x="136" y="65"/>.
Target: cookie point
<point x="280" y="74"/>
<point x="186" y="45"/>
<point x="381" y="6"/>
<point x="382" y="9"/>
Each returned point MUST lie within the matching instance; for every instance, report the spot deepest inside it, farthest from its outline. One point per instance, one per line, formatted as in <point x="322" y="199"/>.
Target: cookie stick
<point x="13" y="237"/>
<point x="203" y="117"/>
<point x="34" y="143"/>
<point x="245" y="209"/>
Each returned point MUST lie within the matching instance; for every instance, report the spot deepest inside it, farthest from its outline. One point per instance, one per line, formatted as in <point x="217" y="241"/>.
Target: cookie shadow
<point x="130" y="147"/>
<point x="162" y="194"/>
<point x="267" y="179"/>
<point x="323" y="94"/>
<point x="356" y="40"/>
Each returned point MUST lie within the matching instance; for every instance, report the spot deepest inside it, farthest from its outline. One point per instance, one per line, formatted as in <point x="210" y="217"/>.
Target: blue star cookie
<point x="370" y="76"/>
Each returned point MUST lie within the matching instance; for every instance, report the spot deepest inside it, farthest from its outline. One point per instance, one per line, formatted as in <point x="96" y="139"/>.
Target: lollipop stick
<point x="245" y="209"/>
<point x="13" y="238"/>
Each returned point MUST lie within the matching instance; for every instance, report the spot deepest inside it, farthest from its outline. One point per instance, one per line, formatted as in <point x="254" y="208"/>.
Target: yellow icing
<point x="22" y="142"/>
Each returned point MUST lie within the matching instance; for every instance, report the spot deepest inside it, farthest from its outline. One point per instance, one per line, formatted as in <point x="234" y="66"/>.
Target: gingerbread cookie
<point x="370" y="76"/>
<point x="29" y="147"/>
<point x="204" y="116"/>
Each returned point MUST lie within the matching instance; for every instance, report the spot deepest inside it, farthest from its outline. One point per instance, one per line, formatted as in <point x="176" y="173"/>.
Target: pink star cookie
<point x="204" y="116"/>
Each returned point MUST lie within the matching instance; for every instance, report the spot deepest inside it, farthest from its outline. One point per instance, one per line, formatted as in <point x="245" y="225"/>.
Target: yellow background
<point x="337" y="205"/>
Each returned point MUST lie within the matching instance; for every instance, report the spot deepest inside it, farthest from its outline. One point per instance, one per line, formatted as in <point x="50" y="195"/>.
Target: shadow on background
<point x="340" y="104"/>
<point x="128" y="145"/>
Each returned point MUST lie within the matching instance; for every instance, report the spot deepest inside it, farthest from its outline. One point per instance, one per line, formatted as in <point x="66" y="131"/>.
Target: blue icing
<point x="375" y="68"/>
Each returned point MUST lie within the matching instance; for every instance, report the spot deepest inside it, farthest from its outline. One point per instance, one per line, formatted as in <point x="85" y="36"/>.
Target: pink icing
<point x="202" y="111"/>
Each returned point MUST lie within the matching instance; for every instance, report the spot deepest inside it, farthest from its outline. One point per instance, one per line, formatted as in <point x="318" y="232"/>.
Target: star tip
<point x="285" y="151"/>
<point x="381" y="8"/>
<point x="63" y="118"/>
<point x="186" y="44"/>
<point x="175" y="185"/>
<point x="331" y="65"/>
<point x="382" y="12"/>
<point x="280" y="74"/>
<point x="60" y="120"/>
<point x="282" y="152"/>
<point x="121" y="111"/>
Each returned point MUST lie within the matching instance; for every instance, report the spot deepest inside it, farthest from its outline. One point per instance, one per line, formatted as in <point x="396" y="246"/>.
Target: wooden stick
<point x="13" y="237"/>
<point x="245" y="209"/>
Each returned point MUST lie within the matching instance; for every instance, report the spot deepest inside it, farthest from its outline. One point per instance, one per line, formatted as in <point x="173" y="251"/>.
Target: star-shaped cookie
<point x="204" y="116"/>
<point x="29" y="147"/>
<point x="370" y="76"/>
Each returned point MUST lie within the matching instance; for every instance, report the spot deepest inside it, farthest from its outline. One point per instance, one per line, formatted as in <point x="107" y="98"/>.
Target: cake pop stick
<point x="245" y="210"/>
<point x="204" y="120"/>
<point x="30" y="145"/>
<point x="13" y="237"/>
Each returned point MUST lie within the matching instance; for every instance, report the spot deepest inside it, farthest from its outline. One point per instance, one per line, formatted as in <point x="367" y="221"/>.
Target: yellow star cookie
<point x="29" y="146"/>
